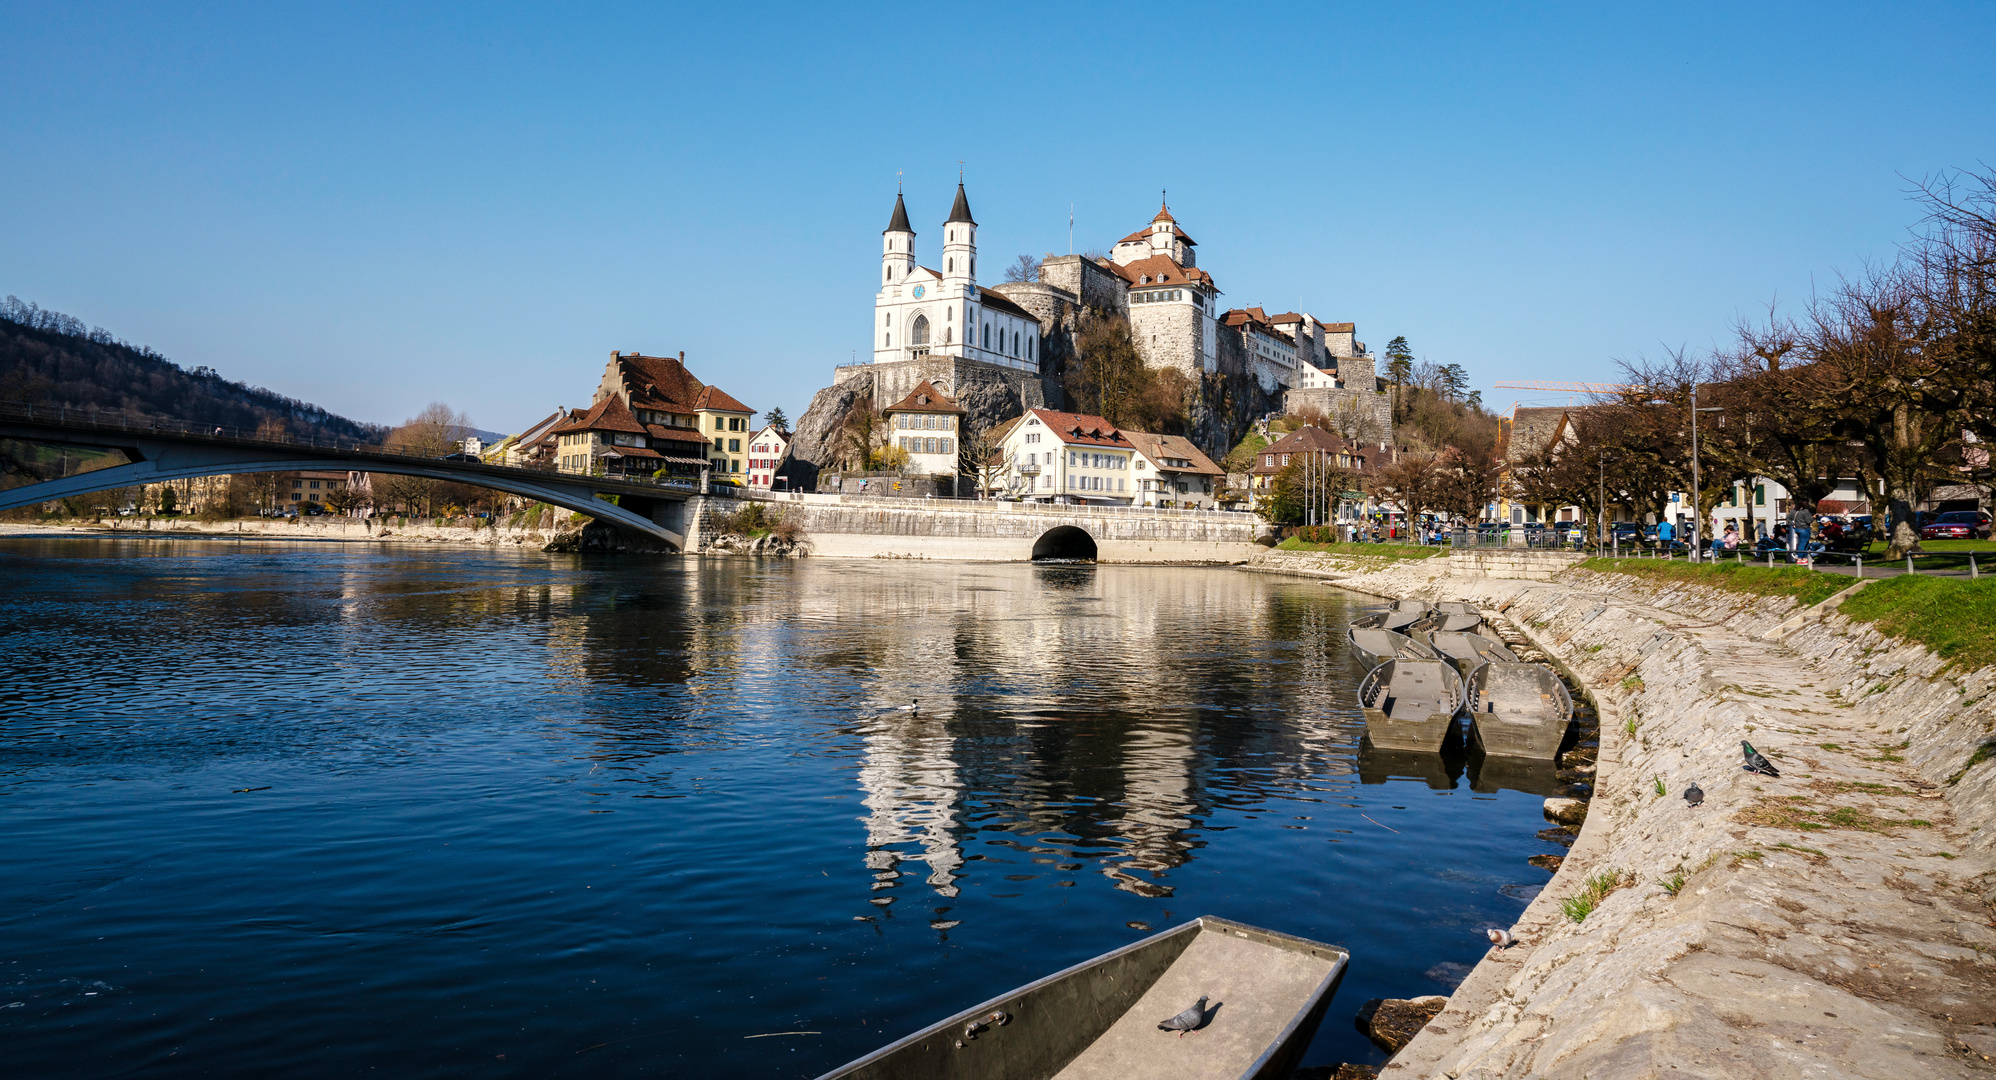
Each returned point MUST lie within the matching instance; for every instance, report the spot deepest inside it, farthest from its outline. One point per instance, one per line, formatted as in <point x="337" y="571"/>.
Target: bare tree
<point x="1023" y="268"/>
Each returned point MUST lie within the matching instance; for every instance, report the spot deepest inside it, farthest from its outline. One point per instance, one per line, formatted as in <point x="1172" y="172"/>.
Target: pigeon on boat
<point x="1694" y="794"/>
<point x="1755" y="762"/>
<point x="1189" y="1020"/>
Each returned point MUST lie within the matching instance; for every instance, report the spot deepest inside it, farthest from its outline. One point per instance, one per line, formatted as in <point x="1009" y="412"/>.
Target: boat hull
<point x="1374" y="647"/>
<point x="1267" y="994"/>
<point x="1410" y="704"/>
<point x="1519" y="710"/>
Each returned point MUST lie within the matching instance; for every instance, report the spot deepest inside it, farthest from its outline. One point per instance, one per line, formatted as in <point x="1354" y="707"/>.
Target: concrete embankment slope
<point x="1834" y="922"/>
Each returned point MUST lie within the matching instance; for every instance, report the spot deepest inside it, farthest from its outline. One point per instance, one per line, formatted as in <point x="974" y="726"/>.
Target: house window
<point x="315" y="484"/>
<point x="735" y="446"/>
<point x="1760" y="494"/>
<point x="1268" y="460"/>
<point x="720" y="424"/>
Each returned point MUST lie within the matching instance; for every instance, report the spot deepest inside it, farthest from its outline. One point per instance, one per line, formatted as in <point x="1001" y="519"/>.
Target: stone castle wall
<point x="1168" y="336"/>
<point x="1083" y="279"/>
<point x="1377" y="408"/>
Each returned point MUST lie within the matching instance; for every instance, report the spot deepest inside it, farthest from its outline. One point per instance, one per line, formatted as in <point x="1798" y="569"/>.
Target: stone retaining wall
<point x="1834" y="922"/>
<point x="329" y="528"/>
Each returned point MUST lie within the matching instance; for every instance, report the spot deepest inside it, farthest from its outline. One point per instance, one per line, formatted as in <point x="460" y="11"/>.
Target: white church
<point x="921" y="312"/>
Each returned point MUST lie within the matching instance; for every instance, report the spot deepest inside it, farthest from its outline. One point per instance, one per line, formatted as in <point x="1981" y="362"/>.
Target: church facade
<point x="924" y="311"/>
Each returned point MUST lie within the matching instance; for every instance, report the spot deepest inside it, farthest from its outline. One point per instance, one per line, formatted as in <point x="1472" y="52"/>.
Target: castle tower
<point x="897" y="245"/>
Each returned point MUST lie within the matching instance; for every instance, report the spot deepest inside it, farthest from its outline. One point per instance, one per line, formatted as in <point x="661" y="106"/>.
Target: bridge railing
<point x="1232" y="517"/>
<point x="141" y="424"/>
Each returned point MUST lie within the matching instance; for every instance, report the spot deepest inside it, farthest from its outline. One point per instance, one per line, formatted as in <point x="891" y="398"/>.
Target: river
<point x="318" y="810"/>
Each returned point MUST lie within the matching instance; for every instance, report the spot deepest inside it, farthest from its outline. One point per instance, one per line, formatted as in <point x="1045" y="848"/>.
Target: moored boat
<point x="1264" y="994"/>
<point x="1519" y="710"/>
<point x="1410" y="704"/>
<point x="1375" y="647"/>
<point x="1467" y="652"/>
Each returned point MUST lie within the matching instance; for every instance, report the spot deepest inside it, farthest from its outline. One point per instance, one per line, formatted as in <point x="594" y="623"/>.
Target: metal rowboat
<point x="1266" y="993"/>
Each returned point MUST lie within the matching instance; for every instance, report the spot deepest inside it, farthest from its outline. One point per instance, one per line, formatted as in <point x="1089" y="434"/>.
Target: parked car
<point x="473" y="458"/>
<point x="1958" y="525"/>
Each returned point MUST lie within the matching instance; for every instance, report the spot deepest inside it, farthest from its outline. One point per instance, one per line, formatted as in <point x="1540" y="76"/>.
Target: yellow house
<point x="725" y="422"/>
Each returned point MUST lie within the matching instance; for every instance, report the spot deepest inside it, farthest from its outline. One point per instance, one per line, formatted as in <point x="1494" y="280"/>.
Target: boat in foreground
<point x="1410" y="704"/>
<point x="1375" y="647"/>
<point x="1265" y="994"/>
<point x="1519" y="710"/>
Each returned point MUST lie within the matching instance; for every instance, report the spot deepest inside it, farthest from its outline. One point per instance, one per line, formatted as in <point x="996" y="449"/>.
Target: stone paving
<point x="1836" y="921"/>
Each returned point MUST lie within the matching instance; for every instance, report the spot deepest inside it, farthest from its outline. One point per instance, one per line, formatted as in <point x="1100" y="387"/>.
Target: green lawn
<point x="1952" y="617"/>
<point x="1377" y="551"/>
<point x="1806" y="586"/>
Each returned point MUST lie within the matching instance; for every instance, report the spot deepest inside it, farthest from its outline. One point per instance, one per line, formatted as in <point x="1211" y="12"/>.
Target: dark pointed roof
<point x="960" y="211"/>
<point x="899" y="222"/>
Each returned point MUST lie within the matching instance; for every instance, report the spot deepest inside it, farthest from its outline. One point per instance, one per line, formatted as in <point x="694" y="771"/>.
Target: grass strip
<point x="1954" y="618"/>
<point x="1808" y="587"/>
<point x="1380" y="551"/>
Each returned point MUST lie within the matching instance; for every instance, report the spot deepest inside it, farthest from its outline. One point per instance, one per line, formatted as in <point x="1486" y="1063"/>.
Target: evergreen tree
<point x="775" y="418"/>
<point x="1399" y="364"/>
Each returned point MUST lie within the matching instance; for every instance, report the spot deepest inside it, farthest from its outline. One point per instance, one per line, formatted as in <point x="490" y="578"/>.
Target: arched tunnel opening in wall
<point x="1064" y="544"/>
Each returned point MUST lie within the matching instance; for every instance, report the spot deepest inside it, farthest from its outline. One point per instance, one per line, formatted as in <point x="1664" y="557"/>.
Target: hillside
<point x="48" y="358"/>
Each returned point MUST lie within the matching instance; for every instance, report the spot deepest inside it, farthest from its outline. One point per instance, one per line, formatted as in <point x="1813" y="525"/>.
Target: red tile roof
<point x="657" y="382"/>
<point x="1340" y="328"/>
<point x="660" y="433"/>
<point x="925" y="398"/>
<point x="1308" y="437"/>
<point x="608" y="414"/>
<point x="1160" y="269"/>
<point x="1080" y="429"/>
<point x="1159" y="447"/>
<point x="715" y="399"/>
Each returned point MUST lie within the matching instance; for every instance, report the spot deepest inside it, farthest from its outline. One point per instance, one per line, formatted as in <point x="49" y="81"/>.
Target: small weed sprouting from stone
<point x="1801" y="848"/>
<point x="1940" y="854"/>
<point x="1594" y="648"/>
<point x="1673" y="884"/>
<point x="1597" y="889"/>
<point x="1659" y="787"/>
<point x="1633" y="682"/>
<point x="1630" y="727"/>
<point x="1741" y="858"/>
<point x="1982" y="753"/>
<point x="1879" y="689"/>
<point x="1830" y="746"/>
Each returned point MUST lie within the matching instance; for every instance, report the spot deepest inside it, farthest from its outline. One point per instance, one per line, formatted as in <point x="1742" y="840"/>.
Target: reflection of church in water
<point x="912" y="794"/>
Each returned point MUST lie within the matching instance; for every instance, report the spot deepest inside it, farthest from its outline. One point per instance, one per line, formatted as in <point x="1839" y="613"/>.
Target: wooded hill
<point x="48" y="358"/>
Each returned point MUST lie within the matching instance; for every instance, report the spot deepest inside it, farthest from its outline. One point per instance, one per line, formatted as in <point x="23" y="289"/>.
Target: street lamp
<point x="1697" y="514"/>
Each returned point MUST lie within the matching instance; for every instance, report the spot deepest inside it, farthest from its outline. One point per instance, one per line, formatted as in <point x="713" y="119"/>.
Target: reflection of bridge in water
<point x="160" y="450"/>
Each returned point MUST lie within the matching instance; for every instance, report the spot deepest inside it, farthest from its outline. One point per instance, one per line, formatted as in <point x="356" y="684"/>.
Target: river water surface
<point x="319" y="810"/>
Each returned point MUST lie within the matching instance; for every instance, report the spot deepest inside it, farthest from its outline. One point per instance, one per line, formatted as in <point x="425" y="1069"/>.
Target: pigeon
<point x="1755" y="762"/>
<point x="1694" y="794"/>
<point x="1500" y="938"/>
<point x="1189" y="1020"/>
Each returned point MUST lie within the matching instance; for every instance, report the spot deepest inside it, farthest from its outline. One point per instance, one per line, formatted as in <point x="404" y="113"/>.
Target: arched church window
<point x="888" y="343"/>
<point x="946" y="335"/>
<point x="949" y="266"/>
<point x="890" y="319"/>
<point x="920" y="334"/>
<point x="987" y="335"/>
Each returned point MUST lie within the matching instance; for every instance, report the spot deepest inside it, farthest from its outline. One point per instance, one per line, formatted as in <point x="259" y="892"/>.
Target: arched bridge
<point x="166" y="450"/>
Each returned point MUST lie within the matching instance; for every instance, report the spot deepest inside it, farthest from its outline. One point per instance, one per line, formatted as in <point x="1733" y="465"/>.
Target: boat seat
<point x="1410" y="710"/>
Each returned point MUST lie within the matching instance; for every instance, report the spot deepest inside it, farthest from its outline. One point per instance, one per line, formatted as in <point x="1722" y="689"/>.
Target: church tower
<point x="897" y="245"/>
<point x="960" y="248"/>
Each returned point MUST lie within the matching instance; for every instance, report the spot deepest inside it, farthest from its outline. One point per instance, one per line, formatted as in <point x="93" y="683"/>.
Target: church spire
<point x="960" y="212"/>
<point x="899" y="222"/>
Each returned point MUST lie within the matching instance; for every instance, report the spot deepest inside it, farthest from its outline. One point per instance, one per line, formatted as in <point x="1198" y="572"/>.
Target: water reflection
<point x="676" y="773"/>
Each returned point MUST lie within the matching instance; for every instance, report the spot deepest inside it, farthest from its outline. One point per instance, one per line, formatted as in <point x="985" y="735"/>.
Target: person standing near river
<point x="1799" y="520"/>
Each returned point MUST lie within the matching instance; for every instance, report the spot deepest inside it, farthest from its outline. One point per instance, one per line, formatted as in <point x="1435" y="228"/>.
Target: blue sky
<point x="372" y="208"/>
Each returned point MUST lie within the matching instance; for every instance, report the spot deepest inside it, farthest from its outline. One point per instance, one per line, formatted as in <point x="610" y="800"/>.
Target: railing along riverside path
<point x="1000" y="506"/>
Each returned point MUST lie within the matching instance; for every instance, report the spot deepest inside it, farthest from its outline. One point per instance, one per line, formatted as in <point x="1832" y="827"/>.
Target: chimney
<point x="682" y="356"/>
